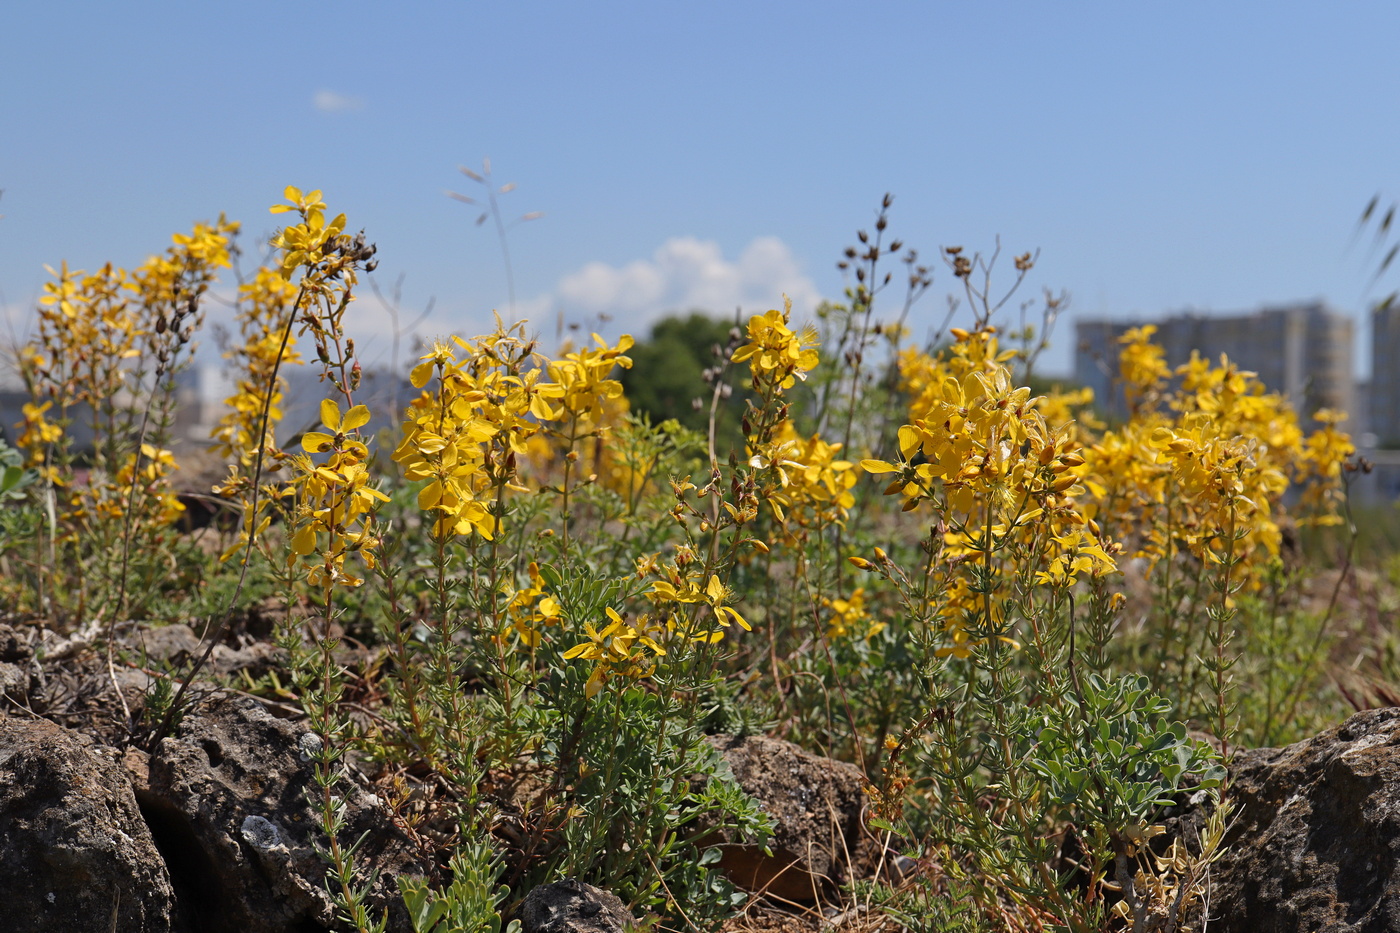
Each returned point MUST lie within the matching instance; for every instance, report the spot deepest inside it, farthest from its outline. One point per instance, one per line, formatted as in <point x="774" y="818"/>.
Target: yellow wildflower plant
<point x="335" y="502"/>
<point x="974" y="439"/>
<point x="39" y="433"/>
<point x="330" y="261"/>
<point x="814" y="487"/>
<point x="802" y="479"/>
<point x="188" y="267"/>
<point x="333" y="497"/>
<point x="584" y="378"/>
<point x="1142" y="366"/>
<point x="1205" y="467"/>
<point x="683" y="589"/>
<point x="152" y="471"/>
<point x="464" y="437"/>
<point x="266" y="315"/>
<point x="1074" y="553"/>
<point x="303" y="244"/>
<point x="922" y="375"/>
<point x="579" y="412"/>
<point x="617" y="651"/>
<point x="680" y="588"/>
<point x="1006" y="487"/>
<point x="266" y="304"/>
<point x="100" y="371"/>
<point x="107" y="345"/>
<point x="1324" y="458"/>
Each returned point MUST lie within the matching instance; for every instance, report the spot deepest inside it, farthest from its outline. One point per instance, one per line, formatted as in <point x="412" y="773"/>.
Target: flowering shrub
<point x="102" y="366"/>
<point x="915" y="561"/>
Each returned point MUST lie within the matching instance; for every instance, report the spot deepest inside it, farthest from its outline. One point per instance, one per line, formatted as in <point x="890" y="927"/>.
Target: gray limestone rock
<point x="230" y="799"/>
<point x="1315" y="844"/>
<point x="571" y="906"/>
<point x="75" y="853"/>
<point x="816" y="804"/>
<point x="21" y="679"/>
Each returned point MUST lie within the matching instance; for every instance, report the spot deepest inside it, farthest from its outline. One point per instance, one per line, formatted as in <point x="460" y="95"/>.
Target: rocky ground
<point x="210" y="830"/>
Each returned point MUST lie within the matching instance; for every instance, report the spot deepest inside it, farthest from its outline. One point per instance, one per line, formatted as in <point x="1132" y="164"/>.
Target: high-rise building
<point x="1385" y="374"/>
<point x="1302" y="351"/>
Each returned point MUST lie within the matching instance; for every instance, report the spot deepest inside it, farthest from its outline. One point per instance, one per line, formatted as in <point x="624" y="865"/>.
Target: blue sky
<point x="1159" y="155"/>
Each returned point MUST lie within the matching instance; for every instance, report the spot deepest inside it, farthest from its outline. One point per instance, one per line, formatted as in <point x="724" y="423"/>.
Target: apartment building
<point x="1384" y="394"/>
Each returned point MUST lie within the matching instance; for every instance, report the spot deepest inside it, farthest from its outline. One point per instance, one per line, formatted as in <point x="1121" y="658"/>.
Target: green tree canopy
<point x="668" y="374"/>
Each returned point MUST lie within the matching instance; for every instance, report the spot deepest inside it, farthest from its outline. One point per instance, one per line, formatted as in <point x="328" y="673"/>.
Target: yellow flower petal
<point x="356" y="417"/>
<point x="330" y="414"/>
<point x="304" y="541"/>
<point x="877" y="467"/>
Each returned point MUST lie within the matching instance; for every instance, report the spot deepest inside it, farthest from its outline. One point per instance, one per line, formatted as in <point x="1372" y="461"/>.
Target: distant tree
<point x="668" y="375"/>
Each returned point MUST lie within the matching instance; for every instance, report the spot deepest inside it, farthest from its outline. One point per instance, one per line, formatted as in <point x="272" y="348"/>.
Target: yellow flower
<point x="776" y="356"/>
<point x="316" y="442"/>
<point x="531" y="608"/>
<point x="616" y="651"/>
<point x="850" y="617"/>
<point x="583" y="379"/>
<point x="1142" y="365"/>
<point x="814" y="488"/>
<point x="335" y="503"/>
<point x="974" y="440"/>
<point x="39" y="432"/>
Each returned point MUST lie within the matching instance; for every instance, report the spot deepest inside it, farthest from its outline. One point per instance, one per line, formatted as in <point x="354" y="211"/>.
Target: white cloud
<point x="686" y="274"/>
<point x="331" y="102"/>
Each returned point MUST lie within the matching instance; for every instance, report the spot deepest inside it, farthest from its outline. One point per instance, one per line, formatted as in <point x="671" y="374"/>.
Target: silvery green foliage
<point x="470" y="904"/>
<point x="13" y="476"/>
<point x="1112" y="753"/>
